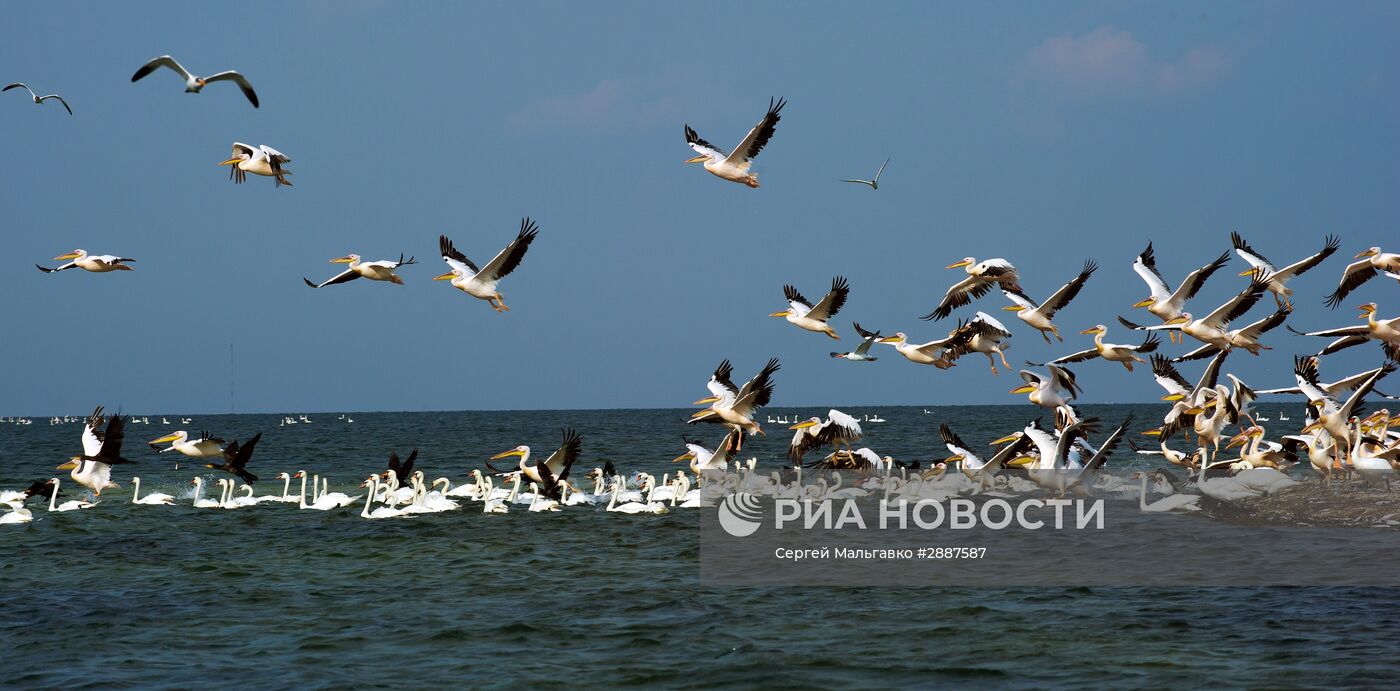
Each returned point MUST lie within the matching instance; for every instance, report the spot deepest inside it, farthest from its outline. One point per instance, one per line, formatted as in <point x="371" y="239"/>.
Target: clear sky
<point x="1046" y="133"/>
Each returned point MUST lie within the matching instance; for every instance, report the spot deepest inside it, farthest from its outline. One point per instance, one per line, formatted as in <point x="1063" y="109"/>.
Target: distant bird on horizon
<point x="481" y="283"/>
<point x="38" y="100"/>
<point x="262" y="160"/>
<point x="734" y="166"/>
<point x="375" y="271"/>
<point x="874" y="184"/>
<point x="194" y="84"/>
<point x="96" y="263"/>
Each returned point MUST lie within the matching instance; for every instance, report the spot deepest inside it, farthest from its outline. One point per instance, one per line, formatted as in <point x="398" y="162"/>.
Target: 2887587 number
<point x="953" y="552"/>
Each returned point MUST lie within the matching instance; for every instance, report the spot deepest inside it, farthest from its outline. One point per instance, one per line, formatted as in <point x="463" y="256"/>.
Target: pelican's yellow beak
<point x="783" y="313"/>
<point x="707" y="400"/>
<point x="1179" y="319"/>
<point x="68" y="465"/>
<point x="701" y="413"/>
<point x="1174" y="397"/>
<point x="1368" y="308"/>
<point x="1153" y="432"/>
<point x="803" y="425"/>
<point x="231" y="161"/>
<point x="342" y="260"/>
<point x="956" y="265"/>
<point x="1011" y="308"/>
<point x="1145" y="303"/>
<point x="1237" y="440"/>
<point x="1091" y="331"/>
<point x="891" y="339"/>
<point x="954" y="458"/>
<point x="1314" y="426"/>
<point x="1024" y="388"/>
<point x="1008" y="438"/>
<point x="1249" y="272"/>
<point x="1022" y="460"/>
<point x="445" y="277"/>
<point x="687" y="456"/>
<point x="1366" y="253"/>
<point x="70" y="255"/>
<point x="507" y="454"/>
<point x="697" y="159"/>
<point x="166" y="438"/>
<point x="1195" y="411"/>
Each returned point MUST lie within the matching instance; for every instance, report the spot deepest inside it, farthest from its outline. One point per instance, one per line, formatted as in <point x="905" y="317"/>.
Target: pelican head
<point x="965" y="261"/>
<point x="809" y="422"/>
<point x="75" y="254"/>
<point x="687" y="456"/>
<point x="177" y="437"/>
<point x="1099" y="329"/>
<point x="521" y="451"/>
<point x="899" y="337"/>
<point x="347" y="259"/>
<point x="447" y="276"/>
<point x="697" y="159"/>
<point x="1368" y="252"/>
<point x="1009" y="438"/>
<point x="1367" y="309"/>
<point x="1024" y="388"/>
<point x="70" y="463"/>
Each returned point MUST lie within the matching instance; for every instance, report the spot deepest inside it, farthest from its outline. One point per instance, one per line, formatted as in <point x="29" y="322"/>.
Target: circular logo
<point x="740" y="514"/>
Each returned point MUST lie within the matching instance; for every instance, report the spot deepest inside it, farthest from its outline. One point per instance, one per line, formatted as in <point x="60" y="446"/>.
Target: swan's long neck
<point x="286" y="487"/>
<point x="53" y="498"/>
<point x="1142" y="496"/>
<point x="612" y="502"/>
<point x="135" y="490"/>
<point x="301" y="500"/>
<point x="514" y="489"/>
<point x="369" y="497"/>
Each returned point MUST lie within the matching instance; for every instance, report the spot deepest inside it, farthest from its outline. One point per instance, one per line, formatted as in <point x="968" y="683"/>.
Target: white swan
<point x="16" y="514"/>
<point x="199" y="501"/>
<point x="633" y="507"/>
<point x="1171" y="502"/>
<point x="152" y="499"/>
<point x="70" y="505"/>
<point x="541" y="502"/>
<point x="382" y="511"/>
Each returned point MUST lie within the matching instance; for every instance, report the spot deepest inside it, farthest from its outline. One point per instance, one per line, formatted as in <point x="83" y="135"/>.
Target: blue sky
<point x="1046" y="133"/>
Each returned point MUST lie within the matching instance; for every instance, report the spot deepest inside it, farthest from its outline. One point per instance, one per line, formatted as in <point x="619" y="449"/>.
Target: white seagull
<point x="874" y="184"/>
<point x="734" y="167"/>
<point x="862" y="351"/>
<point x="39" y="100"/>
<point x="193" y="84"/>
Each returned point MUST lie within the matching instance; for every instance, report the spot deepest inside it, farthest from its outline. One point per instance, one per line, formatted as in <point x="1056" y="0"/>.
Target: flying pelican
<point x="1211" y="328"/>
<point x="236" y="459"/>
<point x="1039" y="316"/>
<point x="96" y="263"/>
<point x="981" y="277"/>
<point x="862" y="351"/>
<point x="703" y="458"/>
<point x="102" y="449"/>
<point x="203" y="447"/>
<point x="1246" y="337"/>
<point x="804" y="315"/>
<point x="838" y="429"/>
<point x="985" y="335"/>
<point x="874" y="184"/>
<point x="1125" y="355"/>
<point x="1335" y="417"/>
<point x="734" y="167"/>
<point x="1373" y="261"/>
<point x="734" y="407"/>
<point x="934" y="352"/>
<point x="1387" y="331"/>
<point x="39" y="100"/>
<point x="481" y="283"/>
<point x="382" y="270"/>
<point x="1184" y="396"/>
<point x="1163" y="302"/>
<point x="1053" y="392"/>
<point x="260" y="160"/>
<point x="1278" y="278"/>
<point x="554" y="469"/>
<point x="1309" y="381"/>
<point x="193" y="84"/>
<point x="961" y="452"/>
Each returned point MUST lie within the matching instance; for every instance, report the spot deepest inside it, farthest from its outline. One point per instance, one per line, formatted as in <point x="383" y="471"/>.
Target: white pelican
<point x="260" y="160"/>
<point x="1334" y="417"/>
<point x="101" y="450"/>
<point x="1163" y="302"/>
<point x="1053" y="392"/>
<point x="553" y="470"/>
<point x="981" y="278"/>
<point x="39" y="100"/>
<point x="1386" y="331"/>
<point x="1278" y="278"/>
<point x="1373" y="261"/>
<point x="1244" y="338"/>
<point x="703" y="459"/>
<point x="936" y="352"/>
<point x="862" y="351"/>
<point x="96" y="263"/>
<point x="1183" y="395"/>
<point x="874" y="184"/>
<point x="481" y="283"/>
<point x="1039" y="316"/>
<point x="204" y="447"/>
<point x="804" y="315"/>
<point x="986" y="335"/>
<point x="838" y="429"/>
<point x="236" y="459"/>
<point x="1125" y="355"/>
<point x="194" y="84"/>
<point x="734" y="167"/>
<point x="734" y="407"/>
<point x="382" y="270"/>
<point x="1212" y="328"/>
<point x="961" y="453"/>
<point x="151" y="499"/>
<point x="70" y="505"/>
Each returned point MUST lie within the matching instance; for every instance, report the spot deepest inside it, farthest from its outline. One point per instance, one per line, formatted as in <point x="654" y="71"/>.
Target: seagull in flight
<point x="874" y="184"/>
<point x="193" y="84"/>
<point x="37" y="98"/>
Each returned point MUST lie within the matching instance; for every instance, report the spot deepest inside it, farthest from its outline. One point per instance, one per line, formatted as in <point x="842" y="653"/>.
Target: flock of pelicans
<point x="1337" y="439"/>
